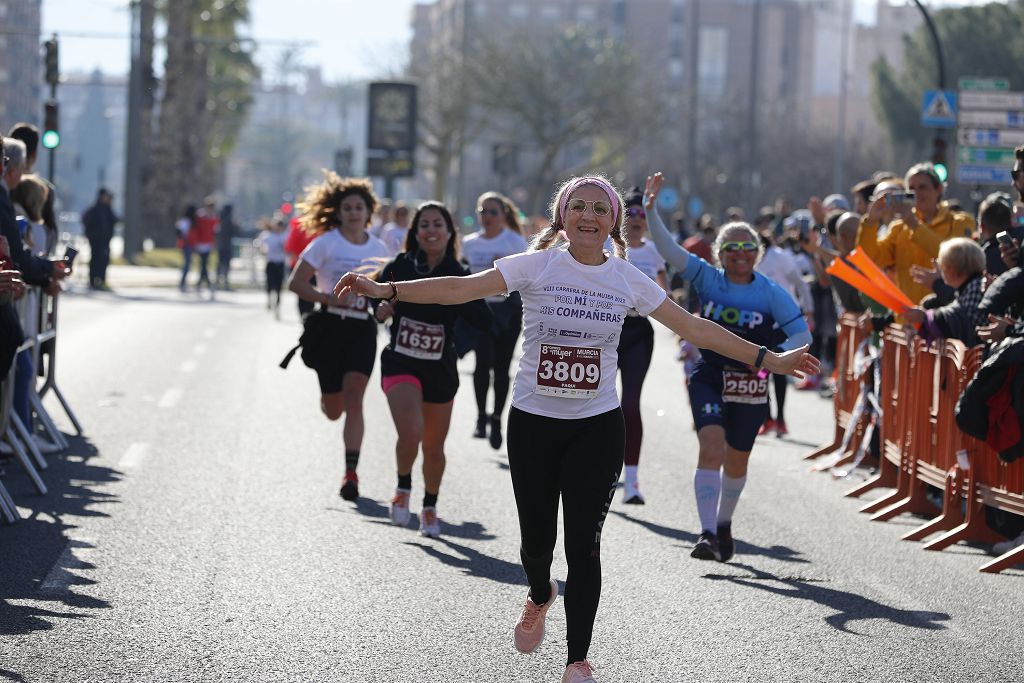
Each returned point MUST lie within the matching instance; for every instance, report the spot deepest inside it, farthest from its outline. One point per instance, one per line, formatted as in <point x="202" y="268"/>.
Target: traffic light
<point x="51" y="131"/>
<point x="939" y="158"/>
<point x="52" y="64"/>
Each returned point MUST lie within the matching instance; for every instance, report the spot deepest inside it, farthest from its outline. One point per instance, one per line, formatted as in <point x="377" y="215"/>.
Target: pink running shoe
<point x="579" y="672"/>
<point x="529" y="630"/>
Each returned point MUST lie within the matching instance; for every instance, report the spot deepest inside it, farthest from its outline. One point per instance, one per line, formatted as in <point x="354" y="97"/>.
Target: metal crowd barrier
<point x="29" y="443"/>
<point x="922" y="447"/>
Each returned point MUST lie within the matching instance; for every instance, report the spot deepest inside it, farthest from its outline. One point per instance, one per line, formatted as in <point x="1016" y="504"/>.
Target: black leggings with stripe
<point x="579" y="461"/>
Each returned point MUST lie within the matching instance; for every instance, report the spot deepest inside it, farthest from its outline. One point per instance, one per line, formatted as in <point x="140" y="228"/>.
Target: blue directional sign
<point x="983" y="175"/>
<point x="938" y="109"/>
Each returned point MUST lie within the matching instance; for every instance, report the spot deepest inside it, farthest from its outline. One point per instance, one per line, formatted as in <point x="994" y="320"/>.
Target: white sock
<point x="631" y="474"/>
<point x="707" y="485"/>
<point x="731" y="490"/>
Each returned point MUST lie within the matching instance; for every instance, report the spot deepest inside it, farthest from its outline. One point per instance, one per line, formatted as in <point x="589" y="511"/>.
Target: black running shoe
<point x="706" y="548"/>
<point x="495" y="437"/>
<point x="481" y="428"/>
<point x="726" y="547"/>
<point x="350" y="487"/>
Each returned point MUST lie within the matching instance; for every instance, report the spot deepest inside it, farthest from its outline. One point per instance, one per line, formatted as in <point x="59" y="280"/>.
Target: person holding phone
<point x="922" y="221"/>
<point x="566" y="434"/>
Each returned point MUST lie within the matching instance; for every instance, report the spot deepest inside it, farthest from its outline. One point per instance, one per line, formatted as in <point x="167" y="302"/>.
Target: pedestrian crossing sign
<point x="938" y="109"/>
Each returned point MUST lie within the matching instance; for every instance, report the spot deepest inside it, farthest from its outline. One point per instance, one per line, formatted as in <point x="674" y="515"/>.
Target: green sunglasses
<point x="739" y="246"/>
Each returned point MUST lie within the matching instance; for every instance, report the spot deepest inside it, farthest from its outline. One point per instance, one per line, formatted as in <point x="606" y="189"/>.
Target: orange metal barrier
<point x="922" y="447"/>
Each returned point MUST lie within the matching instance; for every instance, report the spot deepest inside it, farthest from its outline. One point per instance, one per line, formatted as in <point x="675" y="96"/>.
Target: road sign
<point x="987" y="156"/>
<point x="695" y="207"/>
<point x="972" y="83"/>
<point x="938" y="109"/>
<point x="992" y="100"/>
<point x="990" y="137"/>
<point x="992" y="119"/>
<point x="668" y="199"/>
<point x="983" y="175"/>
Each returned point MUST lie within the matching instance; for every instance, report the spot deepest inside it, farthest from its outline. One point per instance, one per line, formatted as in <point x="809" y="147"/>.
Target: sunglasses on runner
<point x="739" y="246"/>
<point x="636" y="212"/>
<point x="600" y="207"/>
<point x="489" y="212"/>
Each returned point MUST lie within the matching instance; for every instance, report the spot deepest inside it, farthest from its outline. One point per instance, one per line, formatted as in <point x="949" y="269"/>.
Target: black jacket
<point x="1005" y="296"/>
<point x="99" y="221"/>
<point x="972" y="408"/>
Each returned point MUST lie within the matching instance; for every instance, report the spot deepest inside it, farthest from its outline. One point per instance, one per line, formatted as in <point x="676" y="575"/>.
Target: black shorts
<point x="275" y="276"/>
<point x="348" y="345"/>
<point x="741" y="421"/>
<point x="439" y="378"/>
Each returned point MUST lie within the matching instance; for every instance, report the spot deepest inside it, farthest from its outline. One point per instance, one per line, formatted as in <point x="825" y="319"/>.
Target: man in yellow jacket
<point x="913" y="239"/>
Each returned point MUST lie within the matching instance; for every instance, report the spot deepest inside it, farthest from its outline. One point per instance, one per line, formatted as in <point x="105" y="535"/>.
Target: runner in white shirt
<point x="394" y="233"/>
<point x="566" y="433"/>
<point x="500" y="235"/>
<point x="272" y="246"/>
<point x="346" y="343"/>
<point x="636" y="345"/>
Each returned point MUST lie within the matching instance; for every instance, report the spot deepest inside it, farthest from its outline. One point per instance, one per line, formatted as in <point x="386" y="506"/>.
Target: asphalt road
<point x="195" y="534"/>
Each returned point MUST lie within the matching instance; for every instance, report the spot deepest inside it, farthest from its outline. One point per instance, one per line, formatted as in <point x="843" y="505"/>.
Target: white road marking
<point x="170" y="398"/>
<point x="76" y="555"/>
<point x="189" y="366"/>
<point x="134" y="456"/>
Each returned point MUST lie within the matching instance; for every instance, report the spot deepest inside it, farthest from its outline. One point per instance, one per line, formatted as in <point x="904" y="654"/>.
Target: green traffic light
<point x="51" y="139"/>
<point x="942" y="172"/>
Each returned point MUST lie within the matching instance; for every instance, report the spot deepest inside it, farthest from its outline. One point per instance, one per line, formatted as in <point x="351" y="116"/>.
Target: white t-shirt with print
<point x="647" y="259"/>
<point x="481" y="252"/>
<point x="572" y="319"/>
<point x="331" y="255"/>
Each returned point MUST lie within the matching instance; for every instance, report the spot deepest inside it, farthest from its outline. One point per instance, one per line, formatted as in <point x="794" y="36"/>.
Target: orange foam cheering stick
<point x="864" y="263"/>
<point x="853" y="277"/>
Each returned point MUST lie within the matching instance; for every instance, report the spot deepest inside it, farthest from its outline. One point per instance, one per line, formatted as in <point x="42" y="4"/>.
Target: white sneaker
<point x="400" y="507"/>
<point x="430" y="524"/>
<point x="631" y="494"/>
<point x="1006" y="546"/>
<point x="579" y="672"/>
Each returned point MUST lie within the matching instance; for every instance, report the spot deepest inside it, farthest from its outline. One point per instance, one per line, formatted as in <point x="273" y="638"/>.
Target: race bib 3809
<point x="568" y="371"/>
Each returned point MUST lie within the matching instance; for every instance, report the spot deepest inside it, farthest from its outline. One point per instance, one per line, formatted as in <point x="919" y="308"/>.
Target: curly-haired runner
<point x="565" y="430"/>
<point x="339" y="210"/>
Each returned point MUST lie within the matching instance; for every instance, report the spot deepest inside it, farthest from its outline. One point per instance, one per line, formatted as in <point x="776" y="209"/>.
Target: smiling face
<point x="926" y="194"/>
<point x="432" y="233"/>
<point x="739" y="263"/>
<point x="586" y="229"/>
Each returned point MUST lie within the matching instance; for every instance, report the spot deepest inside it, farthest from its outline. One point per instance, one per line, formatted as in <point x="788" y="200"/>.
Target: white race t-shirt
<point x="647" y="259"/>
<point x="273" y="245"/>
<point x="332" y="256"/>
<point x="481" y="252"/>
<point x="572" y="319"/>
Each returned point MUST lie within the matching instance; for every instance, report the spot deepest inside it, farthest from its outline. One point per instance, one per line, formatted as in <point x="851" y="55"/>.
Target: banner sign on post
<point x="391" y="139"/>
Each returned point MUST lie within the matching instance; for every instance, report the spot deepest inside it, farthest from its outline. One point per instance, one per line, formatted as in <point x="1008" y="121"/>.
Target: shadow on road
<point x="775" y="552"/>
<point x="473" y="562"/>
<point x="11" y="676"/>
<point x="33" y="546"/>
<point x="849" y="606"/>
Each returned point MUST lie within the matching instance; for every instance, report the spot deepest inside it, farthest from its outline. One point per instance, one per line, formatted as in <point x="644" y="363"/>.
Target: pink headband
<point x="613" y="197"/>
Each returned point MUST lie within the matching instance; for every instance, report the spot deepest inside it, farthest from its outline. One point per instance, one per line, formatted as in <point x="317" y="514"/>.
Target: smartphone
<point x="69" y="256"/>
<point x="1004" y="238"/>
<point x="897" y="198"/>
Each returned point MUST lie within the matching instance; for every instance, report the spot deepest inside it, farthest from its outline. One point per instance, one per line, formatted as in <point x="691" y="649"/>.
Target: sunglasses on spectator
<point x="600" y="207"/>
<point x="489" y="212"/>
<point x="1016" y="173"/>
<point x="739" y="246"/>
<point x="636" y="212"/>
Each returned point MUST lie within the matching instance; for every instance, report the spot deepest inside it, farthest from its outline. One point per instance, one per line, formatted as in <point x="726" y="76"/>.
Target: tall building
<point x="20" y="62"/>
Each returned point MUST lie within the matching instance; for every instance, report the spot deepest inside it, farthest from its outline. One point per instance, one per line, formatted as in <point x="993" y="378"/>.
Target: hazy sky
<point x="348" y="38"/>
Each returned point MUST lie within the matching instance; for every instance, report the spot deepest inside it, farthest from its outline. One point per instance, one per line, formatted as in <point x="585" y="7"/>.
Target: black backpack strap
<point x="288" y="358"/>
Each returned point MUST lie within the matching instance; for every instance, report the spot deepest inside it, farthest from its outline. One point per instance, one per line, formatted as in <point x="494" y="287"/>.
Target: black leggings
<point x="636" y="345"/>
<point x="579" y="460"/>
<point x="494" y="350"/>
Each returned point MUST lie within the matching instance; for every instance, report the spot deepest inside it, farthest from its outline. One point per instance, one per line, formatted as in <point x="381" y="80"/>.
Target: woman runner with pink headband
<point x="566" y="435"/>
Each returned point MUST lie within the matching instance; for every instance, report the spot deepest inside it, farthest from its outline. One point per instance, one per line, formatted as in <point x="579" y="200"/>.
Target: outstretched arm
<point x="434" y="290"/>
<point x="667" y="247"/>
<point x="709" y="335"/>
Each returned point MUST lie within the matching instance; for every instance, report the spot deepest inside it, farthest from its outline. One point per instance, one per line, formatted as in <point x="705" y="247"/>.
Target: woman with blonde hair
<point x="338" y="211"/>
<point x="500" y="235"/>
<point x="566" y="435"/>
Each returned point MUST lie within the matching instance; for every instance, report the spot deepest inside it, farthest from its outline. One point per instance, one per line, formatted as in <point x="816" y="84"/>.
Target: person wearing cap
<point x="566" y="434"/>
<point x="924" y="222"/>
